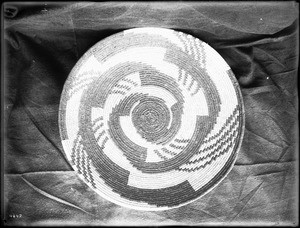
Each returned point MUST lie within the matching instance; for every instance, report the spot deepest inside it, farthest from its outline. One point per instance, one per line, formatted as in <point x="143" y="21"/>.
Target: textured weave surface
<point x="258" y="41"/>
<point x="151" y="118"/>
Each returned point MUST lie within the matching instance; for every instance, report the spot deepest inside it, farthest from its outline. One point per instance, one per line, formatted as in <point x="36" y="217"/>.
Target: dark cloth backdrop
<point x="42" y="43"/>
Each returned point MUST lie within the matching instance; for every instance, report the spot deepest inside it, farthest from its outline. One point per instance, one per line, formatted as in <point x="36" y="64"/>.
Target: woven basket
<point x="151" y="118"/>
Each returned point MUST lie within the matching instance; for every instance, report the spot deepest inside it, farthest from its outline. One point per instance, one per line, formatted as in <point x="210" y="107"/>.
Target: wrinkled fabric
<point x="42" y="43"/>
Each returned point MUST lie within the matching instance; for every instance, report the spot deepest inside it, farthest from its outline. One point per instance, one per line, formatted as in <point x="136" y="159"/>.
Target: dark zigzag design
<point x="97" y="119"/>
<point x="168" y="151"/>
<point x="225" y="136"/>
<point x="83" y="164"/>
<point x="185" y="78"/>
<point x="189" y="47"/>
<point x="130" y="81"/>
<point x="196" y="49"/>
<point x="78" y="149"/>
<point x="213" y="158"/>
<point x="182" y="41"/>
<point x="80" y="162"/>
<point x="80" y="84"/>
<point x="104" y="142"/>
<point x="80" y="87"/>
<point x="182" y="140"/>
<point x="186" y="75"/>
<point x="86" y="171"/>
<point x="123" y="87"/>
<point x="100" y="135"/>
<point x="203" y="59"/>
<point x="73" y="154"/>
<point x="97" y="127"/>
<point x="160" y="155"/>
<point x="180" y="74"/>
<point x="117" y="92"/>
<point x="90" y="173"/>
<point x="194" y="43"/>
<point x="81" y="79"/>
<point x="176" y="146"/>
<point x="196" y="91"/>
<point x="191" y="43"/>
<point x="229" y="139"/>
<point x="200" y="51"/>
<point x="190" y="86"/>
<point x="235" y="111"/>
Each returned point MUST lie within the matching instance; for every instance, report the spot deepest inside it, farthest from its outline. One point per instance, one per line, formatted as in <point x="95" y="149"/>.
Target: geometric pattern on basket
<point x="151" y="118"/>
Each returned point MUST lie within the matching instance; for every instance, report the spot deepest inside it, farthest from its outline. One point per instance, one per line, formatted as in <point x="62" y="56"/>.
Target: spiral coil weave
<point x="151" y="118"/>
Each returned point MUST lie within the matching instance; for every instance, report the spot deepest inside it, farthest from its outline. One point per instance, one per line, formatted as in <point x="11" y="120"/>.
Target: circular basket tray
<point x="151" y="118"/>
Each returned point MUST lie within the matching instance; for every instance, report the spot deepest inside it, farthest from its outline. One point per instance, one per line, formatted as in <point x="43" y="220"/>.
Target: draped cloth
<point x="43" y="42"/>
